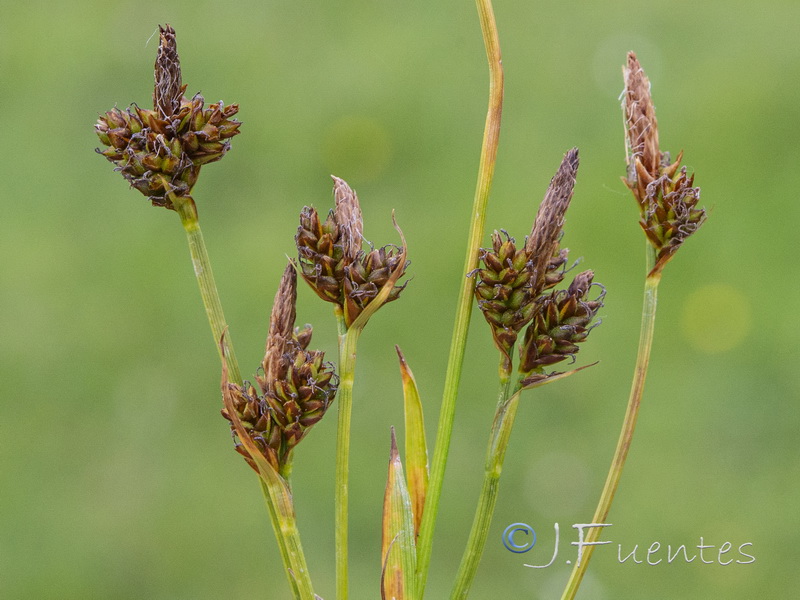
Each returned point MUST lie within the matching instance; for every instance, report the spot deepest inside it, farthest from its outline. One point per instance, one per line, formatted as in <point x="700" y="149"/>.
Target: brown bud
<point x="169" y="87"/>
<point x="281" y="326"/>
<point x="334" y="265"/>
<point x="664" y="192"/>
<point x="542" y="243"/>
<point x="640" y="121"/>
<point x="160" y="151"/>
<point x="348" y="217"/>
<point x="512" y="279"/>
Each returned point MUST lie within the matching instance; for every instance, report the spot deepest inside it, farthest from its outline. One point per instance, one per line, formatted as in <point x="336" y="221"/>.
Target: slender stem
<point x="276" y="527"/>
<point x="281" y="509"/>
<point x="208" y="289"/>
<point x="495" y="455"/>
<point x="628" y="425"/>
<point x="491" y="136"/>
<point x="348" y="342"/>
<point x="278" y="501"/>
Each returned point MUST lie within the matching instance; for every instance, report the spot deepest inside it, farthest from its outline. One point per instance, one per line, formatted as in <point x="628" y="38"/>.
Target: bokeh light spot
<point x="356" y="148"/>
<point x="716" y="318"/>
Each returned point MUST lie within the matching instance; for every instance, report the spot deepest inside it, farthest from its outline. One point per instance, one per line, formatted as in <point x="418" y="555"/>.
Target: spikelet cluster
<point x="160" y="151"/>
<point x="561" y="322"/>
<point x="515" y="287"/>
<point x="506" y="289"/>
<point x="665" y="194"/>
<point x="332" y="261"/>
<point x="295" y="388"/>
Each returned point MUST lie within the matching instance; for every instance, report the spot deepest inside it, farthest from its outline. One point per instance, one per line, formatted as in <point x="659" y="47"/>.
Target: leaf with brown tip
<point x="416" y="446"/>
<point x="398" y="549"/>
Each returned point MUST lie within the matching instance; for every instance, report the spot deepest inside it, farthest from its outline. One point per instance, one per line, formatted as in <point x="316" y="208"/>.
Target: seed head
<point x="296" y="388"/>
<point x="664" y="192"/>
<point x="560" y="323"/>
<point x="512" y="279"/>
<point x="333" y="263"/>
<point x="160" y="151"/>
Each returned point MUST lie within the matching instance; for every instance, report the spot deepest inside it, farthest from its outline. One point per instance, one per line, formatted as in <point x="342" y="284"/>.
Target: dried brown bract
<point x="160" y="151"/>
<point x="664" y="192"/>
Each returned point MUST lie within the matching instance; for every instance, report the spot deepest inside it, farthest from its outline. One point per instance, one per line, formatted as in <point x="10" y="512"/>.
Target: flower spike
<point x="160" y="151"/>
<point x="665" y="194"/>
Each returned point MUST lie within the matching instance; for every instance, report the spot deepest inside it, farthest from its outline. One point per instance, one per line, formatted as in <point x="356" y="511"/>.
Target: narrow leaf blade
<point x="398" y="550"/>
<point x="416" y="446"/>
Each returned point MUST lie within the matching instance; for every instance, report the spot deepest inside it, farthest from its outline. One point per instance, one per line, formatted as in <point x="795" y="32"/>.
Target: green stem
<point x="285" y="526"/>
<point x="277" y="528"/>
<point x="491" y="137"/>
<point x="495" y="454"/>
<point x="208" y="289"/>
<point x="348" y="342"/>
<point x="284" y="523"/>
<point x="628" y="425"/>
<point x="281" y="512"/>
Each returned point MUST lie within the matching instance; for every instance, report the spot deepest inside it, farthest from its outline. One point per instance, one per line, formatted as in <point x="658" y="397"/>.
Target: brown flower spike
<point x="160" y="151"/>
<point x="512" y="279"/>
<point x="665" y="193"/>
<point x="296" y="387"/>
<point x="561" y="322"/>
<point x="333" y="263"/>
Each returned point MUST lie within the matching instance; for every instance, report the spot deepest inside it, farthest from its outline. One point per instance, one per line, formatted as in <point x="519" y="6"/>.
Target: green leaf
<point x="398" y="550"/>
<point x="416" y="446"/>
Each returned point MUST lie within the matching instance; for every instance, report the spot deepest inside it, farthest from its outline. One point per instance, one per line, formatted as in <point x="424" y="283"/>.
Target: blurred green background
<point x="117" y="475"/>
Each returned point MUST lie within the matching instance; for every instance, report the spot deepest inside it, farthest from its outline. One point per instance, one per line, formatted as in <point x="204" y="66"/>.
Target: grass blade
<point x="416" y="446"/>
<point x="398" y="549"/>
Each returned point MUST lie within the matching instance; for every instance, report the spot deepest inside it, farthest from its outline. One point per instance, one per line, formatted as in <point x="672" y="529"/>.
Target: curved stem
<point x="628" y="426"/>
<point x="495" y="455"/>
<point x="348" y="342"/>
<point x="491" y="137"/>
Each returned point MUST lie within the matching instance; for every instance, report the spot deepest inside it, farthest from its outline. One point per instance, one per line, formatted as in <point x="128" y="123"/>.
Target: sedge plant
<point x="534" y="321"/>
<point x="667" y="201"/>
<point x="160" y="153"/>
<point x="515" y="291"/>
